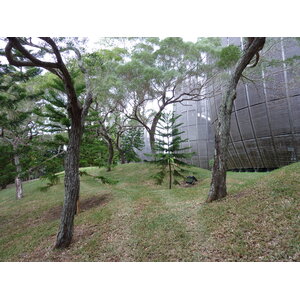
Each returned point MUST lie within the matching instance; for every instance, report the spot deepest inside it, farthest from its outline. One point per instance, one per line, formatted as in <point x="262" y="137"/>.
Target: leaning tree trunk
<point x="152" y="140"/>
<point x="152" y="130"/>
<point x="218" y="181"/>
<point x="18" y="180"/>
<point x="72" y="187"/>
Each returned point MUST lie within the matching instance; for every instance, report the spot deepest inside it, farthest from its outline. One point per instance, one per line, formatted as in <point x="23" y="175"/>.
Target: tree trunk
<point x="121" y="153"/>
<point x="153" y="130"/>
<point x="77" y="113"/>
<point x="170" y="175"/>
<point x="218" y="188"/>
<point x="110" y="155"/>
<point x="122" y="157"/>
<point x="18" y="180"/>
<point x="218" y="182"/>
<point x="152" y="141"/>
<point x="72" y="188"/>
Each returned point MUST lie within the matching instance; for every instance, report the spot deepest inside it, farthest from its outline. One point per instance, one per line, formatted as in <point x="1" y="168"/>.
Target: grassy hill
<point x="136" y="220"/>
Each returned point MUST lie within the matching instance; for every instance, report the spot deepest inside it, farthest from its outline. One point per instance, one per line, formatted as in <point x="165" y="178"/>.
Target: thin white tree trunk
<point x="18" y="180"/>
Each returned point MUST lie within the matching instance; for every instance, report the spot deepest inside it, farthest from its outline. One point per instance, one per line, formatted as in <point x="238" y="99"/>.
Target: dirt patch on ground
<point x="55" y="212"/>
<point x="94" y="201"/>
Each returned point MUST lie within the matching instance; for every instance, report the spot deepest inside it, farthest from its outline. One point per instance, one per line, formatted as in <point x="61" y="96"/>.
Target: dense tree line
<point x="63" y="108"/>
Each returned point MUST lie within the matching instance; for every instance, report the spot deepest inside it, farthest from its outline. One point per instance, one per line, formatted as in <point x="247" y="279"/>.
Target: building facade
<point x="265" y="123"/>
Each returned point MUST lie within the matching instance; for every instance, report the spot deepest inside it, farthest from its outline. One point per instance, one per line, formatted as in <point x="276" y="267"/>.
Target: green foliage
<point x="7" y="168"/>
<point x="229" y="56"/>
<point x="169" y="153"/>
<point x="93" y="151"/>
<point x="48" y="154"/>
<point x="53" y="179"/>
<point x="17" y="123"/>
<point x="132" y="139"/>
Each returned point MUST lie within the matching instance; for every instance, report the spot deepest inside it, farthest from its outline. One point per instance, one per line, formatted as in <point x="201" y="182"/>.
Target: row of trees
<point x="102" y="100"/>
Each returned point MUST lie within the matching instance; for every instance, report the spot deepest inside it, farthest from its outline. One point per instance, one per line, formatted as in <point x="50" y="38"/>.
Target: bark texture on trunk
<point x="152" y="141"/>
<point x="72" y="189"/>
<point x="218" y="187"/>
<point x="19" y="188"/>
<point x="152" y="130"/>
<point x="218" y="182"/>
<point x="18" y="180"/>
<point x="122" y="157"/>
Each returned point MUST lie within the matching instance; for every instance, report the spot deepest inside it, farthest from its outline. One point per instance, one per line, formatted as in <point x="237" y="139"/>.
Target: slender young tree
<point x="23" y="47"/>
<point x="129" y="139"/>
<point x="169" y="153"/>
<point x="218" y="182"/>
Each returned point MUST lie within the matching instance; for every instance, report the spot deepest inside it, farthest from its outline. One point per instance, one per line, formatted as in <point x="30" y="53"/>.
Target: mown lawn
<point x="136" y="220"/>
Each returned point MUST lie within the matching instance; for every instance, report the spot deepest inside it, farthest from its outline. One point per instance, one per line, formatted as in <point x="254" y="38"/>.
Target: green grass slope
<point x="136" y="220"/>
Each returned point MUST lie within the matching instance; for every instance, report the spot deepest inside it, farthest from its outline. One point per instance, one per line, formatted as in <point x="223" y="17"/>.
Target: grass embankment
<point x="136" y="220"/>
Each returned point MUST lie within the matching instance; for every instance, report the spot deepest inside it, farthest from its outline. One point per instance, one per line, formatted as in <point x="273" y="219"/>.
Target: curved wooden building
<point x="265" y="124"/>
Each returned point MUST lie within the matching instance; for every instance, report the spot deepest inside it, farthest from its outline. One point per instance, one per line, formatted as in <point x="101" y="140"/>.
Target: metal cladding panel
<point x="267" y="151"/>
<point x="253" y="153"/>
<point x="202" y="149"/>
<point x="291" y="47"/>
<point x="265" y="124"/>
<point x="244" y="122"/>
<point x="233" y="163"/>
<point x="192" y="133"/>
<point x="195" y="160"/>
<point x="279" y="117"/>
<point x="260" y="120"/>
<point x="241" y="98"/>
<point x="297" y="145"/>
<point x="184" y="134"/>
<point x="234" y="130"/>
<point x="239" y="146"/>
<point x="204" y="163"/>
<point x="274" y="50"/>
<point x="183" y="118"/>
<point x="194" y="146"/>
<point x="211" y="149"/>
<point x="256" y="93"/>
<point x="234" y="41"/>
<point x="285" y="150"/>
<point x="192" y="117"/>
<point x="295" y="103"/>
<point x="275" y="86"/>
<point x="202" y="132"/>
<point x="293" y="80"/>
<point x="202" y="121"/>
